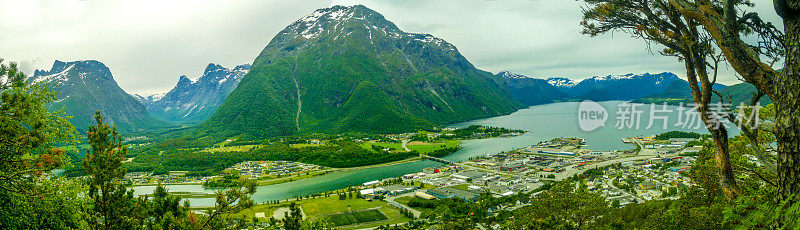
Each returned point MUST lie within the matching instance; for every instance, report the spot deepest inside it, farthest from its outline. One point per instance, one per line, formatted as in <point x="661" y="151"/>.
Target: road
<point x="638" y="199"/>
<point x="571" y="171"/>
<point x="413" y="211"/>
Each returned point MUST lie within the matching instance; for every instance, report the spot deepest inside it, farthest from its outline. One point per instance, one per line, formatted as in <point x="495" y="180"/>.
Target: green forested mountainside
<point x="679" y="92"/>
<point x="743" y="93"/>
<point x="86" y="86"/>
<point x="327" y="71"/>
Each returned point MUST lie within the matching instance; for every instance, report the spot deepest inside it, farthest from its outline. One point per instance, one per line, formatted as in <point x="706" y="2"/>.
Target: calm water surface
<point x="542" y="122"/>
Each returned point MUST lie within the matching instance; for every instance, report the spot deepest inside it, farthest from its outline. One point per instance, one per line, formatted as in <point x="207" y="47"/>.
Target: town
<point x="651" y="170"/>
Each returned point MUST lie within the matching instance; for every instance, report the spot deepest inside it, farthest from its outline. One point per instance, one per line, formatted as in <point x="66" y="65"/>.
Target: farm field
<point x="356" y="217"/>
<point x="320" y="207"/>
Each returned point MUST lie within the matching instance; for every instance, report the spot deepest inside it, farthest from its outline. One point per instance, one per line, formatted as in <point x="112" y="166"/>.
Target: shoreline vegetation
<point x="374" y="150"/>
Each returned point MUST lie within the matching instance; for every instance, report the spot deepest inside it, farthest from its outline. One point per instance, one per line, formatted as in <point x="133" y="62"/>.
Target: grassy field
<point x="357" y="217"/>
<point x="267" y="209"/>
<point x="269" y="180"/>
<point x="322" y="207"/>
<point x="404" y="200"/>
<point x="328" y="205"/>
<point x="430" y="147"/>
<point x="395" y="146"/>
<point x="462" y="187"/>
<point x="240" y="148"/>
<point x="393" y="217"/>
<point x="422" y="147"/>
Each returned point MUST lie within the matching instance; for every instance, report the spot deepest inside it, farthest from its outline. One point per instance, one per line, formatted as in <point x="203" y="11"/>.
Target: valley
<point x="313" y="115"/>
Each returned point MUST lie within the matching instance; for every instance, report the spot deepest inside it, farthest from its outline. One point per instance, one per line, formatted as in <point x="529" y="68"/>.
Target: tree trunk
<point x="722" y="158"/>
<point x="697" y="70"/>
<point x="787" y="108"/>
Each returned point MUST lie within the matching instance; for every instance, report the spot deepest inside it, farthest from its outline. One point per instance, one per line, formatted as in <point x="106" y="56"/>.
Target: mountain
<point x="742" y="93"/>
<point x="620" y="87"/>
<point x="738" y="93"/>
<point x="560" y="82"/>
<point x="344" y="69"/>
<point x="677" y="92"/>
<point x="149" y="99"/>
<point x="86" y="86"/>
<point x="531" y="91"/>
<point x="195" y="101"/>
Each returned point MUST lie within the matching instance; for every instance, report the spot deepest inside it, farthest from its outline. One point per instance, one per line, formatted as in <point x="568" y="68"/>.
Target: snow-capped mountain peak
<point x="148" y="99"/>
<point x="340" y="22"/>
<point x="561" y="82"/>
<point x="509" y="75"/>
<point x="57" y="74"/>
<point x="89" y="70"/>
<point x="195" y="100"/>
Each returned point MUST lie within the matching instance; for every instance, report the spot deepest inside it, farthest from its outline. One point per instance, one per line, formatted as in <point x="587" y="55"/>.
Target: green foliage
<point x="473" y="131"/>
<point x="230" y="180"/>
<point x="443" y="152"/>
<point x="28" y="131"/>
<point x="51" y="204"/>
<point x="232" y="200"/>
<point x="334" y="154"/>
<point x="293" y="219"/>
<point x="166" y="211"/>
<point x="112" y="206"/>
<point x="678" y="92"/>
<point x="563" y="203"/>
<point x="677" y="134"/>
<point x="30" y="198"/>
<point x="349" y="218"/>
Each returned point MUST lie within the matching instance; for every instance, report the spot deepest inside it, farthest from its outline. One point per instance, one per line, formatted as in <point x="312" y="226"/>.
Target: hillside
<point x="531" y="91"/>
<point x="331" y="70"/>
<point x="679" y="92"/>
<point x="86" y="86"/>
<point x="194" y="101"/>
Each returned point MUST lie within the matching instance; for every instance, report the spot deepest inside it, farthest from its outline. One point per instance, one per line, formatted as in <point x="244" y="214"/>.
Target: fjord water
<point x="543" y="122"/>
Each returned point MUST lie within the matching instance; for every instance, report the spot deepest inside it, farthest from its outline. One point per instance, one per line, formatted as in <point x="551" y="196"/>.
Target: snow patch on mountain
<point x="509" y="75"/>
<point x="148" y="99"/>
<point x="329" y="21"/>
<point x="194" y="100"/>
<point x="561" y="82"/>
<point x="59" y="76"/>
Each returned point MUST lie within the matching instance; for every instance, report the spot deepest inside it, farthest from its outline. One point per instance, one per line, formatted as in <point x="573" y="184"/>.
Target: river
<point x="543" y="122"/>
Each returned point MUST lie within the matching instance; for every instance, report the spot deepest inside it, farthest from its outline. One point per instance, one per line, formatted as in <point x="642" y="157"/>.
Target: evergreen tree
<point x="112" y="205"/>
<point x="293" y="220"/>
<point x="30" y="198"/>
<point x="166" y="210"/>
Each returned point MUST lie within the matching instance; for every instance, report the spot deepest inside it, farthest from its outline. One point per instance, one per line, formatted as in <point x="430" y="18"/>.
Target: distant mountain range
<point x="620" y="87"/>
<point x="534" y="91"/>
<point x="531" y="91"/>
<point x="86" y="86"/>
<point x="343" y="69"/>
<point x="195" y="101"/>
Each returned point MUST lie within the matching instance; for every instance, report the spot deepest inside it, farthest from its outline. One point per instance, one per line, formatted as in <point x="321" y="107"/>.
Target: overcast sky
<point x="148" y="44"/>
